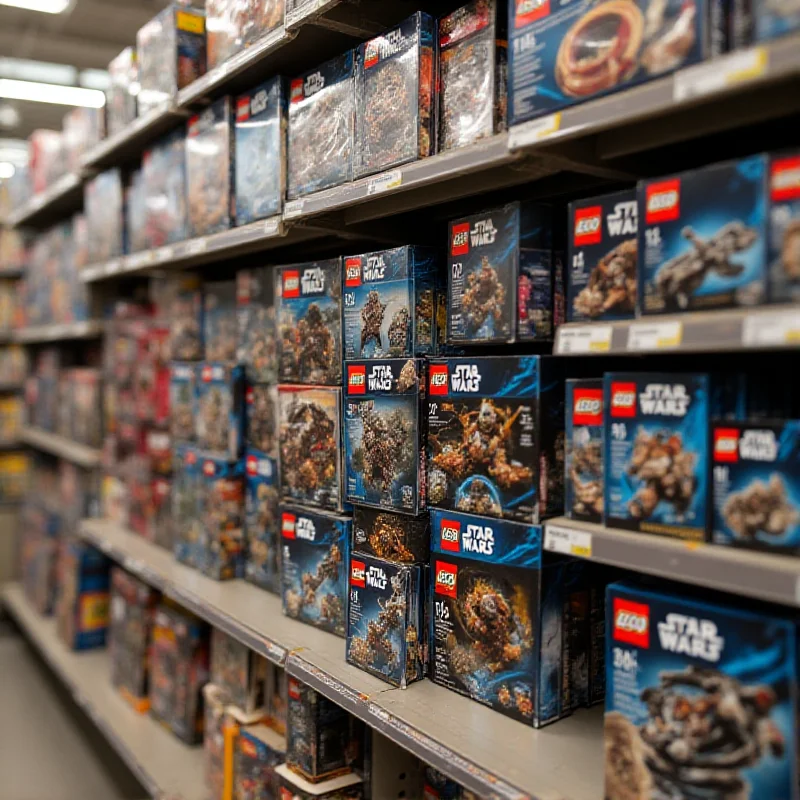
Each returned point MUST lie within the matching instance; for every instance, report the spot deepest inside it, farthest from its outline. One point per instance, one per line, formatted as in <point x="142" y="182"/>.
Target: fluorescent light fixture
<point x="45" y="6"/>
<point x="25" y="69"/>
<point x="51" y="93"/>
<point x="94" y="79"/>
<point x="7" y="169"/>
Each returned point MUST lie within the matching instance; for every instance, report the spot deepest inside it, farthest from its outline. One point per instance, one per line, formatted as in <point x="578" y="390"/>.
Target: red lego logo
<point x="459" y="244"/>
<point x="192" y="125"/>
<point x="784" y="179"/>
<point x="588" y="226"/>
<point x="528" y="11"/>
<point x="631" y="622"/>
<point x="623" y="399"/>
<point x="587" y="407"/>
<point x="294" y="688"/>
<point x="251" y="466"/>
<point x="249" y="396"/>
<point x="663" y="201"/>
<point x="207" y="374"/>
<point x="726" y="445"/>
<point x="288" y="522"/>
<point x="356" y="378"/>
<point x="291" y="284"/>
<point x="209" y="468"/>
<point x="446" y="579"/>
<point x="437" y="384"/>
<point x="450" y="535"/>
<point x="358" y="573"/>
<point x="191" y="457"/>
<point x="352" y="272"/>
<point x="243" y="109"/>
<point x="296" y="93"/>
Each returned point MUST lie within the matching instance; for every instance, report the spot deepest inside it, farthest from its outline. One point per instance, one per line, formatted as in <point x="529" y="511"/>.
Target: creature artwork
<point x="484" y="296"/>
<point x="255" y="310"/>
<point x="184" y="307"/>
<point x="262" y="566"/>
<point x="611" y="287"/>
<point x="164" y="176"/>
<point x="221" y="513"/>
<point x="583" y="480"/>
<point x="220" y="324"/>
<point x="239" y="671"/>
<point x="262" y="413"/>
<point x="185" y="506"/>
<point x="220" y="410"/>
<point x="394" y="537"/>
<point x="784" y="227"/>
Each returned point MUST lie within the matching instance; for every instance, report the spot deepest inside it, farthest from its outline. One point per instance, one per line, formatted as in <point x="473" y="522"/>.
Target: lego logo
<point x="785" y="179"/>
<point x="209" y="468"/>
<point x="291" y="284"/>
<point x="623" y="399"/>
<point x="191" y="457"/>
<point x="587" y="405"/>
<point x="631" y="622"/>
<point x="252" y="465"/>
<point x="243" y="109"/>
<point x="249" y="396"/>
<point x="659" y="202"/>
<point x="208" y="374"/>
<point x="446" y="578"/>
<point x="726" y="445"/>
<point x="288" y="524"/>
<point x="459" y="242"/>
<point x="356" y="379"/>
<point x="588" y="226"/>
<point x="247" y="747"/>
<point x="294" y="688"/>
<point x="438" y="379"/>
<point x="352" y="272"/>
<point x="627" y="621"/>
<point x="585" y="226"/>
<point x="528" y="11"/>
<point x="449" y="534"/>
<point x="663" y="201"/>
<point x="358" y="573"/>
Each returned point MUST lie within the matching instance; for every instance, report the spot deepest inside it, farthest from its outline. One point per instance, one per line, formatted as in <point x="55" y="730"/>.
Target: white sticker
<point x="533" y="132"/>
<point x="584" y="339"/>
<point x="648" y="336"/>
<point x="271" y="226"/>
<point x="163" y="254"/>
<point x="112" y="267"/>
<point x="385" y="182"/>
<point x="294" y="208"/>
<point x="196" y="246"/>
<point x="568" y="541"/>
<point x="773" y="328"/>
<point x="720" y="73"/>
<point x="138" y="260"/>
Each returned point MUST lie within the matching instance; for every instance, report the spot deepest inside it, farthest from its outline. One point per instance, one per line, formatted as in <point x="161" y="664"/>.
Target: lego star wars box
<point x="724" y="677"/>
<point x="386" y="618"/>
<point x="258" y="751"/>
<point x="472" y="73"/>
<point x="320" y="134"/>
<point x="784" y="226"/>
<point x="395" y="85"/>
<point x="703" y="238"/>
<point x="239" y="671"/>
<point x="185" y="505"/>
<point x="182" y="401"/>
<point x="602" y="257"/>
<point x="123" y="74"/>
<point x="310" y="441"/>
<point x="164" y="176"/>
<point x="262" y="418"/>
<point x="184" y="309"/>
<point x="260" y="134"/>
<point x="756" y="485"/>
<point x="496" y="436"/>
<point x="220" y="422"/>
<point x="221" y="514"/>
<point x="210" y="168"/>
<point x="105" y="215"/>
<point x="349" y="786"/>
<point x="565" y="53"/>
<point x="656" y="432"/>
<point x="389" y="302"/>
<point x="220" y="322"/>
<point x="583" y="464"/>
<point x="384" y="434"/>
<point x="262" y="566"/>
<point x="255" y="309"/>
<point x="773" y="20"/>
<point x="309" y="311"/>
<point x="314" y="557"/>
<point x="395" y="537"/>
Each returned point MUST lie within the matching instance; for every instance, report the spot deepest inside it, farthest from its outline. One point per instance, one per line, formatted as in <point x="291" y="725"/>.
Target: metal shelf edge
<point x="59" y="446"/>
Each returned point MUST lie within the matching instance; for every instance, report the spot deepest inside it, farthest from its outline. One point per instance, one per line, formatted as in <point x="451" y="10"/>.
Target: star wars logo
<point x="305" y="529"/>
<point x="483" y="233"/>
<point x="380" y="378"/>
<point x="697" y="638"/>
<point x="375" y="269"/>
<point x="258" y="102"/>
<point x="313" y="281"/>
<point x="623" y="220"/>
<point x="478" y="539"/>
<point x="376" y="578"/>
<point x="665" y="400"/>
<point x="313" y="83"/>
<point x="465" y="378"/>
<point x="758" y="446"/>
<point x="385" y="46"/>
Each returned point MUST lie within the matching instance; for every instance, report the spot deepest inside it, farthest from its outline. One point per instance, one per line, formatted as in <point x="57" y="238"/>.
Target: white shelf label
<point x="585" y="339"/>
<point x="271" y="226"/>
<point x="196" y="246"/>
<point x="647" y="336"/>
<point x="138" y="260"/>
<point x="568" y="541"/>
<point x="385" y="182"/>
<point x="112" y="267"/>
<point x="294" y="208"/>
<point x="163" y="254"/>
<point x="718" y="74"/>
<point x="773" y="328"/>
<point x="534" y="132"/>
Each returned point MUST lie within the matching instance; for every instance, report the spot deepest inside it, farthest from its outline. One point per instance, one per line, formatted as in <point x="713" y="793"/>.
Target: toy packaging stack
<point x="277" y="698"/>
<point x="185" y="505"/>
<point x="262" y="413"/>
<point x="123" y="74"/>
<point x="395" y="537"/>
<point x="136" y="212"/>
<point x="771" y="21"/>
<point x="103" y="201"/>
<point x="784" y="227"/>
<point x="262" y="566"/>
<point x="182" y="400"/>
<point x="184" y="308"/>
<point x="218" y="737"/>
<point x="343" y="787"/>
<point x="232" y="25"/>
<point x="220" y="410"/>
<point x="583" y="467"/>
<point x="220" y="323"/>
<point x="259" y="750"/>
<point x="164" y="175"/>
<point x="238" y="671"/>
<point x="255" y="310"/>
<point x="221" y="514"/>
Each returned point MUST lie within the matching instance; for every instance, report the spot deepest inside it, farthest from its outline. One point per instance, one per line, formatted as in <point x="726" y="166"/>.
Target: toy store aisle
<point x="48" y="749"/>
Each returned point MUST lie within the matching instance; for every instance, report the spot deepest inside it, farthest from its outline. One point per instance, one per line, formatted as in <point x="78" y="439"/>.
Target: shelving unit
<point x="59" y="332"/>
<point x="57" y="445"/>
<point x="63" y="197"/>
<point x="165" y="766"/>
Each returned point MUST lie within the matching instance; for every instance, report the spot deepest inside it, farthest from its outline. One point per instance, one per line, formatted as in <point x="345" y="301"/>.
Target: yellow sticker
<point x="192" y="23"/>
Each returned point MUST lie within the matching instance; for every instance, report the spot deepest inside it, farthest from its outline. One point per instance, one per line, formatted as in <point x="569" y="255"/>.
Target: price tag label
<point x="138" y="260"/>
<point x="294" y="208"/>
<point x="385" y="182"/>
<point x="776" y="328"/>
<point x="533" y="132"/>
<point x="112" y="267"/>
<point x="271" y="226"/>
<point x="196" y="246"/>
<point x="567" y="541"/>
<point x="584" y="339"/>
<point x="163" y="254"/>
<point x="649" y="336"/>
<point x="721" y="73"/>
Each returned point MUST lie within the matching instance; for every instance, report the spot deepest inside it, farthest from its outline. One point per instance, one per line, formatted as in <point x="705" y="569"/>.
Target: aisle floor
<point x="49" y="750"/>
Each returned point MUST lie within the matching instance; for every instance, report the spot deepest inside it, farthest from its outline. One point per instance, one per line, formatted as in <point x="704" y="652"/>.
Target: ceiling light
<point x="51" y="93"/>
<point x="45" y="6"/>
<point x="9" y="116"/>
<point x="7" y="169"/>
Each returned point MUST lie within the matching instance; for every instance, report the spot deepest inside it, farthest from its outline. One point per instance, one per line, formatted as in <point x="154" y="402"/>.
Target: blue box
<point x="262" y="418"/>
<point x="396" y="537"/>
<point x="185" y="508"/>
<point x="260" y="133"/>
<point x="220" y="410"/>
<point x="602" y="257"/>
<point x="496" y="436"/>
<point x="315" y="550"/>
<point x="784" y="227"/>
<point x="259" y="750"/>
<point x="772" y="20"/>
<point x="220" y="322"/>
<point x="724" y="677"/>
<point x="221" y="514"/>
<point x="182" y="400"/>
<point x="255" y="310"/>
<point x="722" y="207"/>
<point x="656" y="432"/>
<point x="262" y="566"/>
<point x="384" y="434"/>
<point x="583" y="468"/>
<point x="389" y="303"/>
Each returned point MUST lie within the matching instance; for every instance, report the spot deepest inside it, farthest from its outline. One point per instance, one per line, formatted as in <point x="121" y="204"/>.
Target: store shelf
<point x="57" y="445"/>
<point x="58" y="200"/>
<point x="57" y="332"/>
<point x="764" y="576"/>
<point x="764" y="328"/>
<point x="490" y="754"/>
<point x="164" y="765"/>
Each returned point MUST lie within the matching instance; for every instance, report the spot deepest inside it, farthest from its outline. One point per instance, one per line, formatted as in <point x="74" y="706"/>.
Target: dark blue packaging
<point x="583" y="467"/>
<point x="395" y="89"/>
<point x="756" y="485"/>
<point x="716" y="684"/>
<point x="260" y="135"/>
<point x="184" y="308"/>
<point x="220" y="324"/>
<point x="784" y="227"/>
<point x="320" y="137"/>
<point x="384" y="434"/>
<point x="257" y="347"/>
<point x="221" y="513"/>
<point x="496" y="436"/>
<point x="395" y="537"/>
<point x="262" y="418"/>
<point x="314" y="558"/>
<point x="262" y="566"/>
<point x="185" y="508"/>
<point x="656" y="435"/>
<point x="164" y="176"/>
<point x="389" y="302"/>
<point x="220" y="410"/>
<point x="259" y="750"/>
<point x="567" y="52"/>
<point x="498" y="617"/>
<point x="309" y="310"/>
<point x="386" y="619"/>
<point x="703" y="238"/>
<point x="182" y="400"/>
<point x="602" y="278"/>
<point x="772" y="20"/>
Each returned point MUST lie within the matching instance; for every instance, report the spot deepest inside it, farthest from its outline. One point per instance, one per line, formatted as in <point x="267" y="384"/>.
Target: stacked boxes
<point x="238" y="671"/>
<point x="123" y="73"/>
<point x="220" y="410"/>
<point x="784" y="226"/>
<point x="164" y="177"/>
<point x="261" y="521"/>
<point x="221" y="515"/>
<point x="583" y="463"/>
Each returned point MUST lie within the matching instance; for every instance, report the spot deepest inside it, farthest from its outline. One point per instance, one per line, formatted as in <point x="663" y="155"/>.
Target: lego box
<point x="602" y="258"/>
<point x="164" y="176"/>
<point x="725" y="679"/>
<point x="496" y="436"/>
<point x="314" y="558"/>
<point x="395" y="537"/>
<point x="773" y="20"/>
<point x="656" y="431"/>
<point x="262" y="415"/>
<point x="185" y="505"/>
<point x="221" y="514"/>
<point x="184" y="308"/>
<point x="384" y="434"/>
<point x="182" y="401"/>
<point x="784" y="227"/>
<point x="255" y="309"/>
<point x="348" y="786"/>
<point x="239" y="671"/>
<point x="583" y="467"/>
<point x="703" y="238"/>
<point x="261" y="520"/>
<point x="220" y="421"/>
<point x="220" y="322"/>
<point x="258" y="751"/>
<point x="756" y="485"/>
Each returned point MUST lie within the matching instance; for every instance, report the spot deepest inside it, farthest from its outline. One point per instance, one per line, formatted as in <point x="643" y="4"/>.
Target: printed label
<point x="587" y="407"/>
<point x="291" y="284"/>
<point x="446" y="578"/>
<point x="631" y="622"/>
<point x="358" y="573"/>
<point x="528" y="11"/>
<point x="352" y="272"/>
<point x="588" y="226"/>
<point x="663" y="201"/>
<point x="288" y="525"/>
<point x="623" y="399"/>
<point x="438" y="381"/>
<point x="356" y="378"/>
<point x="459" y="245"/>
<point x="726" y="445"/>
<point x="785" y="179"/>
<point x="449" y="535"/>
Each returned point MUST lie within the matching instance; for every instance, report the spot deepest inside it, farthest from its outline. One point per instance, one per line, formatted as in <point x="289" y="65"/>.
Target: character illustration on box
<point x="261" y="418"/>
<point x="703" y="729"/>
<point x="373" y="316"/>
<point x="761" y="510"/>
<point x="215" y="412"/>
<point x="586" y="473"/>
<point x="612" y="283"/>
<point x="310" y="594"/>
<point x="308" y="347"/>
<point x="387" y="539"/>
<point x="484" y="299"/>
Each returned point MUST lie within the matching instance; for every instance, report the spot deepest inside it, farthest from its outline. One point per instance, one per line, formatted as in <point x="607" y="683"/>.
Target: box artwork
<point x="784" y="226"/>
<point x="772" y="20"/>
<point x="724" y="678"/>
<point x="185" y="504"/>
<point x="384" y="434"/>
<point x="258" y="751"/>
<point x="583" y="476"/>
<point x="220" y="410"/>
<point x="309" y="310"/>
<point x="261" y="520"/>
<point x="262" y="418"/>
<point x="221" y="512"/>
<point x="220" y="322"/>
<point x="756" y="485"/>
<point x="656" y="452"/>
<point x="210" y="168"/>
<point x="310" y="442"/>
<point x="260" y="180"/>
<point x="343" y="787"/>
<point x="472" y="73"/>
<point x="389" y="303"/>
<point x="601" y="282"/>
<point x="136" y="212"/>
<point x="277" y="698"/>
<point x="386" y="619"/>
<point x="320" y="138"/>
<point x="218" y="735"/>
<point x="395" y="87"/>
<point x="314" y="558"/>
<point x="239" y="671"/>
<point x="182" y="401"/>
<point x="395" y="537"/>
<point x="496" y="436"/>
<point x="123" y="73"/>
<point x="105" y="214"/>
<point x="232" y="25"/>
<point x="703" y="238"/>
<point x="255" y="308"/>
<point x="164" y="175"/>
<point x="565" y="54"/>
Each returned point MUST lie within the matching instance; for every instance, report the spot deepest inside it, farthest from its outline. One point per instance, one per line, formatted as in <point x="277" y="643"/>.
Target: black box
<point x="220" y="323"/>
<point x="395" y="537"/>
<point x="583" y="476"/>
<point x="255" y="309"/>
<point x="262" y="418"/>
<point x="220" y="410"/>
